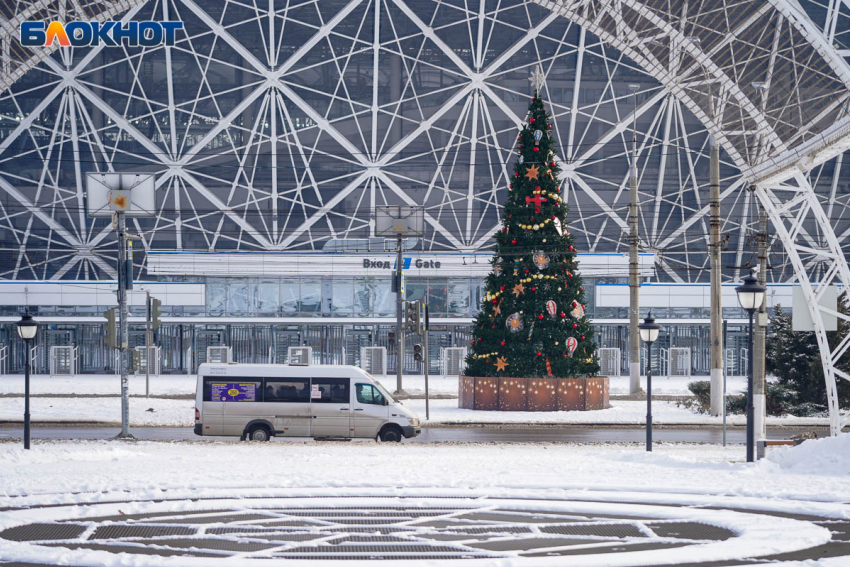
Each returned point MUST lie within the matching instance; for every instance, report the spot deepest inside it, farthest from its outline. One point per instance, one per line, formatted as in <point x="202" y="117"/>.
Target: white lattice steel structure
<point x="278" y="125"/>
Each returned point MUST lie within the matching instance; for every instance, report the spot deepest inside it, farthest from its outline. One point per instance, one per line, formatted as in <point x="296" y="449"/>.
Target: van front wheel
<point x="259" y="433"/>
<point x="390" y="435"/>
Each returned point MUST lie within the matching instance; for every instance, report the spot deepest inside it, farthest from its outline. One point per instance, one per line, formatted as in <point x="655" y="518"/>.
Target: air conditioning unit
<point x="680" y="361"/>
<point x="609" y="361"/>
<point x="300" y="355"/>
<point x="454" y="361"/>
<point x="374" y="360"/>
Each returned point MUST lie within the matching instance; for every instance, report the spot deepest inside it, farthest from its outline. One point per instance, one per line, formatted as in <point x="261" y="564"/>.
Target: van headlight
<point x="413" y="421"/>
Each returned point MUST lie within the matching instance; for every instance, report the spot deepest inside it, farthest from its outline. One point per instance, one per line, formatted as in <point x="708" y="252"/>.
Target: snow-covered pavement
<point x="124" y="478"/>
<point x="184" y="385"/>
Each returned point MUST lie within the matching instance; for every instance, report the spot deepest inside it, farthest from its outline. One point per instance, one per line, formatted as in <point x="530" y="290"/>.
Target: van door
<point x="211" y="409"/>
<point x="288" y="402"/>
<point x="330" y="404"/>
<point x="369" y="411"/>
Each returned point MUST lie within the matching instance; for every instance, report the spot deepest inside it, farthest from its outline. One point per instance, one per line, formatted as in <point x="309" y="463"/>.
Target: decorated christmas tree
<point x="532" y="320"/>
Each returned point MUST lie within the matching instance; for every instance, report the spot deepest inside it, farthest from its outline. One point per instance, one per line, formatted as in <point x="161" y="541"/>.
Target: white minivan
<point x="258" y="401"/>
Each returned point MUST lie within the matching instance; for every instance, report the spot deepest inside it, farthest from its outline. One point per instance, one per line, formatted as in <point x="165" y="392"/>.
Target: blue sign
<point x="233" y="392"/>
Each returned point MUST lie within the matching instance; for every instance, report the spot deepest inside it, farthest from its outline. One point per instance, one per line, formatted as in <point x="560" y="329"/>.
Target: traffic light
<point x="412" y="316"/>
<point x="417" y="353"/>
<point x="156" y="313"/>
<point x="391" y="338"/>
<point x="111" y="329"/>
<point x="135" y="360"/>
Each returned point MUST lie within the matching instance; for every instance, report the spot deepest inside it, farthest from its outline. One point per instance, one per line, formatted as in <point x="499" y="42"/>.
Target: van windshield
<point x="384" y="392"/>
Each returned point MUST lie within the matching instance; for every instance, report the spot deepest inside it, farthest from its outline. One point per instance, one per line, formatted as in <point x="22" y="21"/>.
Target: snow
<point x="593" y="478"/>
<point x="827" y="456"/>
<point x="180" y="413"/>
<point x="99" y="385"/>
<point x="184" y="385"/>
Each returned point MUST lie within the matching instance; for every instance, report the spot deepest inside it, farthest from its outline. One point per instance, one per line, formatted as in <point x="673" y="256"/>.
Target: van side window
<point x="232" y="389"/>
<point x="368" y="394"/>
<point x="287" y="390"/>
<point x="330" y="391"/>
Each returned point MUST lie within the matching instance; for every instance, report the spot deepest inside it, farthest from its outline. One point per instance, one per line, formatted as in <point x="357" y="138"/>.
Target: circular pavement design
<point x="509" y="527"/>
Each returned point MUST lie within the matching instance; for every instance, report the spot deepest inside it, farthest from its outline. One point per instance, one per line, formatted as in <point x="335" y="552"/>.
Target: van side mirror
<point x="386" y="401"/>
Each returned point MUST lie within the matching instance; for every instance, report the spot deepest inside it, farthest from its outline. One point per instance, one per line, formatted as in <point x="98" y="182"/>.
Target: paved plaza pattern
<point x="321" y="527"/>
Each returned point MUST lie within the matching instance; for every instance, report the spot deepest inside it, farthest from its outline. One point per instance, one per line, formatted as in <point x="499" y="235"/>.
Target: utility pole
<point x="759" y="381"/>
<point x="634" y="281"/>
<point x="123" y="324"/>
<point x="716" y="391"/>
<point x="148" y="341"/>
<point x="426" y="323"/>
<point x="399" y="311"/>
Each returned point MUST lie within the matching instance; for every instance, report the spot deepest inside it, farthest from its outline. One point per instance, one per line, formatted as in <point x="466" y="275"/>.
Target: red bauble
<point x="531" y="120"/>
<point x="540" y="316"/>
<point x="571" y="247"/>
<point x="575" y="326"/>
<point x="472" y="343"/>
<point x="582" y="337"/>
<point x="501" y="288"/>
<point x="480" y="339"/>
<point x="552" y="164"/>
<point x="494" y="326"/>
<point x="510" y="186"/>
<point x="539" y="354"/>
<point x="581" y="288"/>
<point x="537" y="188"/>
<point x="536" y="149"/>
<point x="526" y="271"/>
<point x="563" y="314"/>
<point x="534" y="289"/>
<point x="565" y="355"/>
<point x="557" y="189"/>
<point x="513" y="241"/>
<point x="495" y="301"/>
<point x="550" y="126"/>
<point x="574" y="303"/>
<point x="554" y="217"/>
<point x="570" y="275"/>
<point x="516" y="174"/>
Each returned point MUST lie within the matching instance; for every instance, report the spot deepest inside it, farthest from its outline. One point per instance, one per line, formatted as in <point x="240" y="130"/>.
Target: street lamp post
<point x="750" y="296"/>
<point x="649" y="334"/>
<point x="27" y="328"/>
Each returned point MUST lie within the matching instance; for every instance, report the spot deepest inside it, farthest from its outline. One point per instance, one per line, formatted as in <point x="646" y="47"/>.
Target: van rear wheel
<point x="259" y="433"/>
<point x="390" y="435"/>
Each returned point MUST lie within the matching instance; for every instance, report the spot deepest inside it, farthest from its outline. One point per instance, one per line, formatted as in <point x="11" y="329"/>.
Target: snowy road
<point x="471" y="434"/>
<point x="175" y="504"/>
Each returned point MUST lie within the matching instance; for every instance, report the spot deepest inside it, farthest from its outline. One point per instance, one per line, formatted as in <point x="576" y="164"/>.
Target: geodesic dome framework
<point x="280" y="126"/>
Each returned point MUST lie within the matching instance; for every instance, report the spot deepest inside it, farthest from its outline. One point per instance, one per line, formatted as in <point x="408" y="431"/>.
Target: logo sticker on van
<point x="233" y="392"/>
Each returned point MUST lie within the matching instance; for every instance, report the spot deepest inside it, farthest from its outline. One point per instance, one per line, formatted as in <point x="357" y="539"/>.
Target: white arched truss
<point x="673" y="44"/>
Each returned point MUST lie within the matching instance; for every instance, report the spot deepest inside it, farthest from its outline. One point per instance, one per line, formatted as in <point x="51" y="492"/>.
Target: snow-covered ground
<point x="69" y="468"/>
<point x="181" y="384"/>
<point x="132" y="477"/>
<point x="180" y="413"/>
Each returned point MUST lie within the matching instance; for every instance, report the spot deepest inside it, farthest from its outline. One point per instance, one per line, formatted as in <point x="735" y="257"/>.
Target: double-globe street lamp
<point x="27" y="328"/>
<point x="649" y="334"/>
<point x="750" y="296"/>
